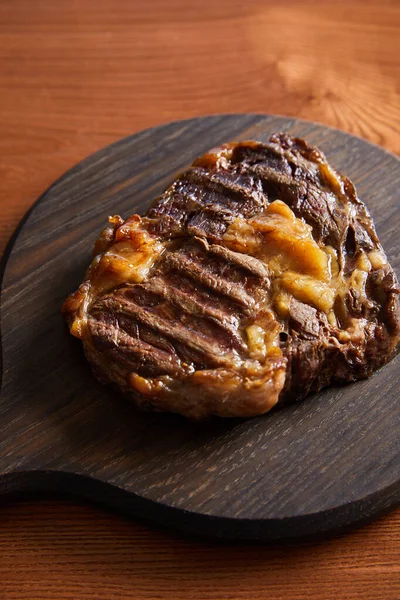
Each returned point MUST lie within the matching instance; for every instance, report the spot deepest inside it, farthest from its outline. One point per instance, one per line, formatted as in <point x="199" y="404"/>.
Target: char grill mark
<point x="237" y="193"/>
<point x="190" y="267"/>
<point x="204" y="202"/>
<point x="127" y="349"/>
<point x="269" y="155"/>
<point x="210" y="223"/>
<point x="204" y="339"/>
<point x="196" y="309"/>
<point x="242" y="261"/>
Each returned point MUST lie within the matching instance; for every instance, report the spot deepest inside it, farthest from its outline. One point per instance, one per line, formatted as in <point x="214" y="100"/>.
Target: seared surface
<point x="256" y="277"/>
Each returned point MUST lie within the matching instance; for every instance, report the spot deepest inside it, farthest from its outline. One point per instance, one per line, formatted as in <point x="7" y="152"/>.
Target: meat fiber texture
<point x="255" y="279"/>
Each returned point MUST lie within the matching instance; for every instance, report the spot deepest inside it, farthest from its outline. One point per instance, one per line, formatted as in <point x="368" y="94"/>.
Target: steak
<point x="255" y="279"/>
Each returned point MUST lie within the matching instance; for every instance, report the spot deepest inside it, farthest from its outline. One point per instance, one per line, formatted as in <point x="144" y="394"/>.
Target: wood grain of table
<point x="76" y="75"/>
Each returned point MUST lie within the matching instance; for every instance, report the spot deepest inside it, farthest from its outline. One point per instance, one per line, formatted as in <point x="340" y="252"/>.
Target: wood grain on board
<point x="77" y="75"/>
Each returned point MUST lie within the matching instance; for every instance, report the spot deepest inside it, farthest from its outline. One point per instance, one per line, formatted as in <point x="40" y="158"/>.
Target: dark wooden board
<point x="314" y="468"/>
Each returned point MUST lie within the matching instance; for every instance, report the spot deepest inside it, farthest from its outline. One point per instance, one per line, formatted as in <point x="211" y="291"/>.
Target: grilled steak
<point x="256" y="278"/>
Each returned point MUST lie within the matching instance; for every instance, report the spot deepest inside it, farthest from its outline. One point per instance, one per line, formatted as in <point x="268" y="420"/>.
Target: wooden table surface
<point x="76" y="75"/>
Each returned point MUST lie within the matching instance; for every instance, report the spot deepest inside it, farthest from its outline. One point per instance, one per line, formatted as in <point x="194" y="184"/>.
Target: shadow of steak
<point x="257" y="277"/>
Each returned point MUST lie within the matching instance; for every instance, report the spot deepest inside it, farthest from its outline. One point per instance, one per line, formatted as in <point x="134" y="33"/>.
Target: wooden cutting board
<point x="330" y="462"/>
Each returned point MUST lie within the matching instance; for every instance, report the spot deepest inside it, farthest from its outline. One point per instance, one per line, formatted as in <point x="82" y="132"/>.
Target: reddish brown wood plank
<point x="69" y="551"/>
